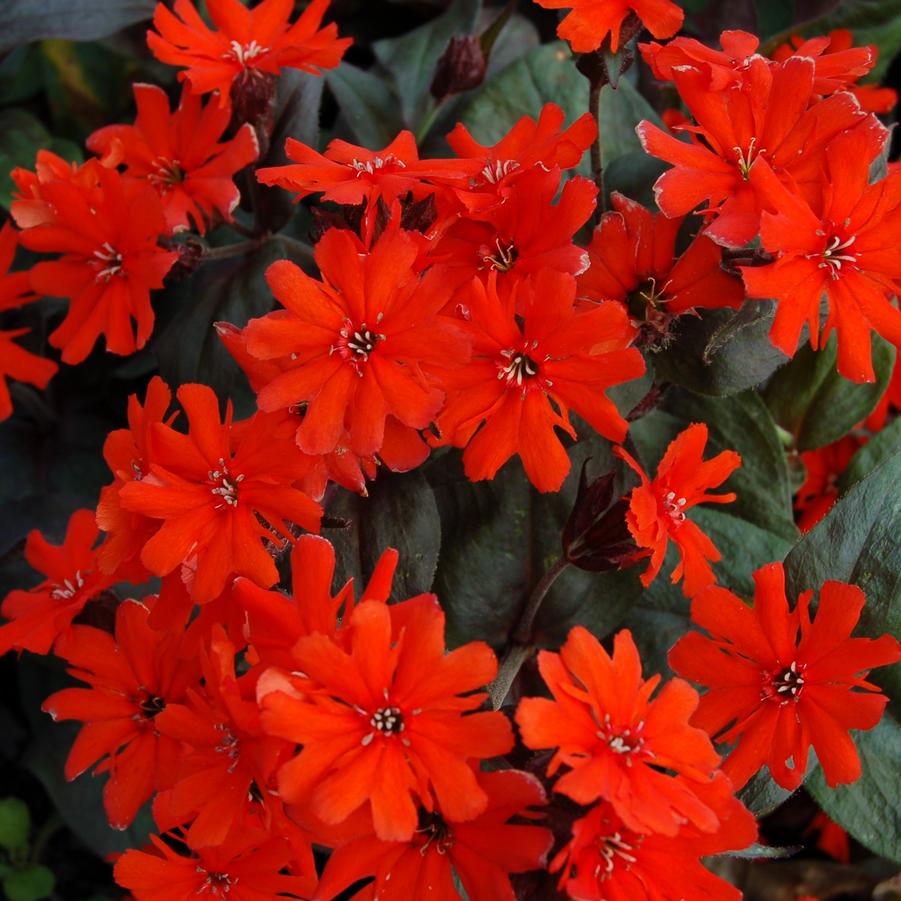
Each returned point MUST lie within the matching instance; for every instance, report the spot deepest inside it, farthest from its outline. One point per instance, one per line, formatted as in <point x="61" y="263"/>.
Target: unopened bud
<point x="253" y="101"/>
<point x="461" y="67"/>
<point x="596" y="537"/>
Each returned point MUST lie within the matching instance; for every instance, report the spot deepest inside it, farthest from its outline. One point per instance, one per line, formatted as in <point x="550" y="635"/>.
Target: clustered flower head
<point x="482" y="307"/>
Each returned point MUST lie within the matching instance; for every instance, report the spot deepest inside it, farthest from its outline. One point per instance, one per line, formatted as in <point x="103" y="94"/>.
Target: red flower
<point x="616" y="742"/>
<point x="608" y="861"/>
<point x="784" y="683"/>
<point x="29" y="207"/>
<point x="127" y="453"/>
<point x="657" y="507"/>
<point x="276" y="622"/>
<point x="132" y="677"/>
<point x="39" y="616"/>
<point x="250" y="44"/>
<point x="816" y="497"/>
<point x="524" y="235"/>
<point x="357" y="345"/>
<point x="529" y="370"/>
<point x="110" y="258"/>
<point x="247" y="867"/>
<point x="528" y="144"/>
<point x="16" y="362"/>
<point x="218" y="499"/>
<point x="21" y="365"/>
<point x="843" y="245"/>
<point x="768" y="116"/>
<point x="635" y="249"/>
<point x="590" y="21"/>
<point x="228" y="770"/>
<point x="481" y="852"/>
<point x="180" y="155"/>
<point x="830" y="837"/>
<point x="349" y="174"/>
<point x="388" y="720"/>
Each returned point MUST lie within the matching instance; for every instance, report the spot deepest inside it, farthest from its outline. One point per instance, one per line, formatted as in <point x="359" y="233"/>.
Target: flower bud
<point x="461" y="67"/>
<point x="596" y="537"/>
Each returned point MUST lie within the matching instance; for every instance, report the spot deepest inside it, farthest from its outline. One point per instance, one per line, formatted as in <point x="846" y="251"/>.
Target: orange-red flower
<point x="535" y="357"/>
<point x="830" y="837"/>
<point x="249" y="866"/>
<point x="772" y="114"/>
<point x="387" y="718"/>
<point x="608" y="861"/>
<point x="824" y="466"/>
<point x="132" y="677"/>
<point x="349" y="174"/>
<point x="481" y="852"/>
<point x="357" y="345"/>
<point x="591" y="21"/>
<point x="617" y="742"/>
<point x="218" y="498"/>
<point x="844" y="244"/>
<point x="634" y="250"/>
<point x="181" y="155"/>
<point x="39" y="616"/>
<point x="16" y="362"/>
<point x="228" y="770"/>
<point x="275" y="622"/>
<point x="522" y="236"/>
<point x="529" y="143"/>
<point x="657" y="506"/>
<point x="110" y="258"/>
<point x="127" y="453"/>
<point x="246" y="45"/>
<point x="779" y="683"/>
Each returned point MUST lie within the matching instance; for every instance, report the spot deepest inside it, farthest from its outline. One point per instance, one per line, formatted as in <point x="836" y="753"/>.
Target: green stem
<point x="227" y="251"/>
<point x="51" y="826"/>
<point x="298" y="248"/>
<point x="521" y="648"/>
<point x="597" y="167"/>
<point x="426" y="125"/>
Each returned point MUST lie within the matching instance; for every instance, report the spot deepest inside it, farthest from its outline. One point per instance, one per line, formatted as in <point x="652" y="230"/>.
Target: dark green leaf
<point x="188" y="348"/>
<point x="411" y="58"/>
<point x="400" y="512"/>
<point x="812" y="401"/>
<point x="745" y="359"/>
<point x="367" y="103"/>
<point x="633" y="174"/>
<point x="859" y="541"/>
<point x="621" y="110"/>
<point x="22" y="21"/>
<point x="883" y="445"/>
<point x="15" y="824"/>
<point x="761" y="795"/>
<point x="868" y="809"/>
<point x="30" y="884"/>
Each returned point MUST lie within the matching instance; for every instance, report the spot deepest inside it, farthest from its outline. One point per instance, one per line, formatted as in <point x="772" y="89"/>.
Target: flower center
<point x="244" y="54"/>
<point x="787" y="685"/>
<point x="151" y="705"/>
<point x="673" y="507"/>
<point x="517" y="366"/>
<point x="217" y="884"/>
<point x="377" y="162"/>
<point x="225" y="485"/>
<point x="387" y="720"/>
<point x="69" y="587"/>
<point x="435" y="831"/>
<point x="109" y="262"/>
<point x="834" y="254"/>
<point x="501" y="260"/>
<point x="498" y="170"/>
<point x="166" y="173"/>
<point x="356" y="344"/>
<point x="746" y="159"/>
<point x="627" y="742"/>
<point x="611" y="847"/>
<point x="228" y="745"/>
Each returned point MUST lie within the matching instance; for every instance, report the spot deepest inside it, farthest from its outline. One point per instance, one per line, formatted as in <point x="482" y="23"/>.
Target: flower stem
<point x="239" y="249"/>
<point x="597" y="168"/>
<point x="521" y="648"/>
<point x="298" y="248"/>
